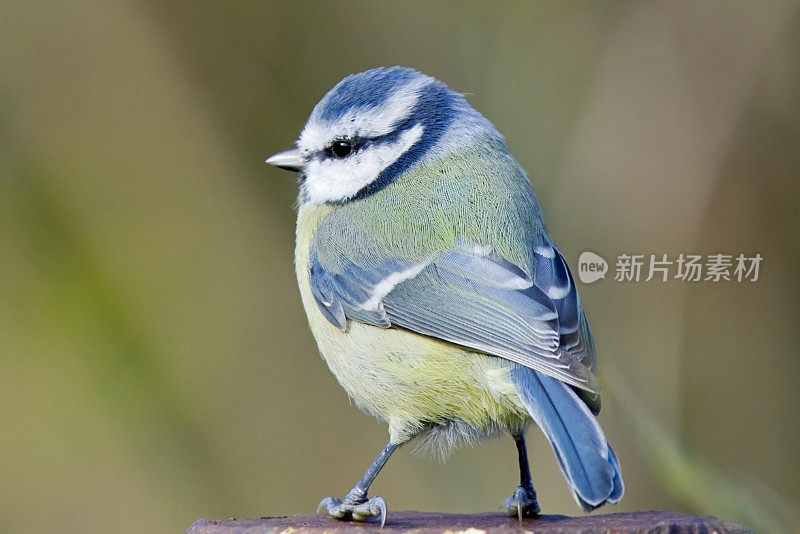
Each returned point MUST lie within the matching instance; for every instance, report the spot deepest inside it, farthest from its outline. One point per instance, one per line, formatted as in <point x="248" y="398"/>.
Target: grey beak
<point x="289" y="159"/>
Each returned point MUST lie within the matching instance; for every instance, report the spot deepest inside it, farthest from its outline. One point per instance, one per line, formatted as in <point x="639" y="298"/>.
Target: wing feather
<point x="478" y="300"/>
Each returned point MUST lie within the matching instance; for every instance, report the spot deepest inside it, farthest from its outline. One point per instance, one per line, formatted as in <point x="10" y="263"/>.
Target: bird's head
<point x="374" y="126"/>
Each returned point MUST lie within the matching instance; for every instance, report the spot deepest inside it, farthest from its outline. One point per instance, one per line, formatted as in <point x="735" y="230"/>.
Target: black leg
<point x="358" y="494"/>
<point x="355" y="505"/>
<point x="525" y="479"/>
<point x="523" y="502"/>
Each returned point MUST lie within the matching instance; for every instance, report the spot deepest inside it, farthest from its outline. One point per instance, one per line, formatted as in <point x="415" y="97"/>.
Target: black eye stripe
<point x="344" y="146"/>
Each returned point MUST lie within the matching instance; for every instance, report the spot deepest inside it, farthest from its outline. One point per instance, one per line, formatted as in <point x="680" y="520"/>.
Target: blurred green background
<point x="155" y="363"/>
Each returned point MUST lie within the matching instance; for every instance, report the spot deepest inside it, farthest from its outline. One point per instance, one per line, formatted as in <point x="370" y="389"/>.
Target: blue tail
<point x="588" y="463"/>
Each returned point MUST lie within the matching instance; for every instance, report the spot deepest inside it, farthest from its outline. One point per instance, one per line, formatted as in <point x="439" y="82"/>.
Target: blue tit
<point x="433" y="288"/>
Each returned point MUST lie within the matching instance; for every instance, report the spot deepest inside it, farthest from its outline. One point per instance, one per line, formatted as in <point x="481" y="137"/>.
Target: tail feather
<point x="619" y="486"/>
<point x="588" y="463"/>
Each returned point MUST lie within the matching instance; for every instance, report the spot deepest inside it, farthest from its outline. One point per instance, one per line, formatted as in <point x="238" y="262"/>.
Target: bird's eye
<point x="342" y="148"/>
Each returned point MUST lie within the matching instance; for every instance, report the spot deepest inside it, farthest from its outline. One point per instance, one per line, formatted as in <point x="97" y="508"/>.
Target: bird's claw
<point x="349" y="510"/>
<point x="522" y="503"/>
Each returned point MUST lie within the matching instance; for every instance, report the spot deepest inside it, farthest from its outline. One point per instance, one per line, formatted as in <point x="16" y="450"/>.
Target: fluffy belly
<point x="419" y="385"/>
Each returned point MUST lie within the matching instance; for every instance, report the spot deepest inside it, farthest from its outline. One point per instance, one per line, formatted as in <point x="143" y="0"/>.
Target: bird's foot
<point x="522" y="503"/>
<point x="354" y="508"/>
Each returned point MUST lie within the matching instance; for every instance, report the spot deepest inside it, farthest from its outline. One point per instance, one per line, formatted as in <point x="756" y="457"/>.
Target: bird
<point x="433" y="289"/>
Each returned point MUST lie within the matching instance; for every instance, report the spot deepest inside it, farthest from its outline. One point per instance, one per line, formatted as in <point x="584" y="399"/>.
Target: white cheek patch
<point x="336" y="180"/>
<point x="370" y="123"/>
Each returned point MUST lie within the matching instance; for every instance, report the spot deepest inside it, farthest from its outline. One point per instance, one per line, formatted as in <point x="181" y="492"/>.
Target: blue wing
<point x="471" y="297"/>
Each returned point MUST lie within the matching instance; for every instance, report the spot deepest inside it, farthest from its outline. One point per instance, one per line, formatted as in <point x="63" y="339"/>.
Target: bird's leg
<point x="522" y="502"/>
<point x="356" y="506"/>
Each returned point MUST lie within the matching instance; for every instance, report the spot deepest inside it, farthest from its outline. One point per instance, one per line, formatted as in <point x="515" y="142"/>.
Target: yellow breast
<point x="408" y="380"/>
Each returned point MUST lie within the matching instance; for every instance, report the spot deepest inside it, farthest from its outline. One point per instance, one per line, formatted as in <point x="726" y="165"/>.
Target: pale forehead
<point x="366" y="110"/>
